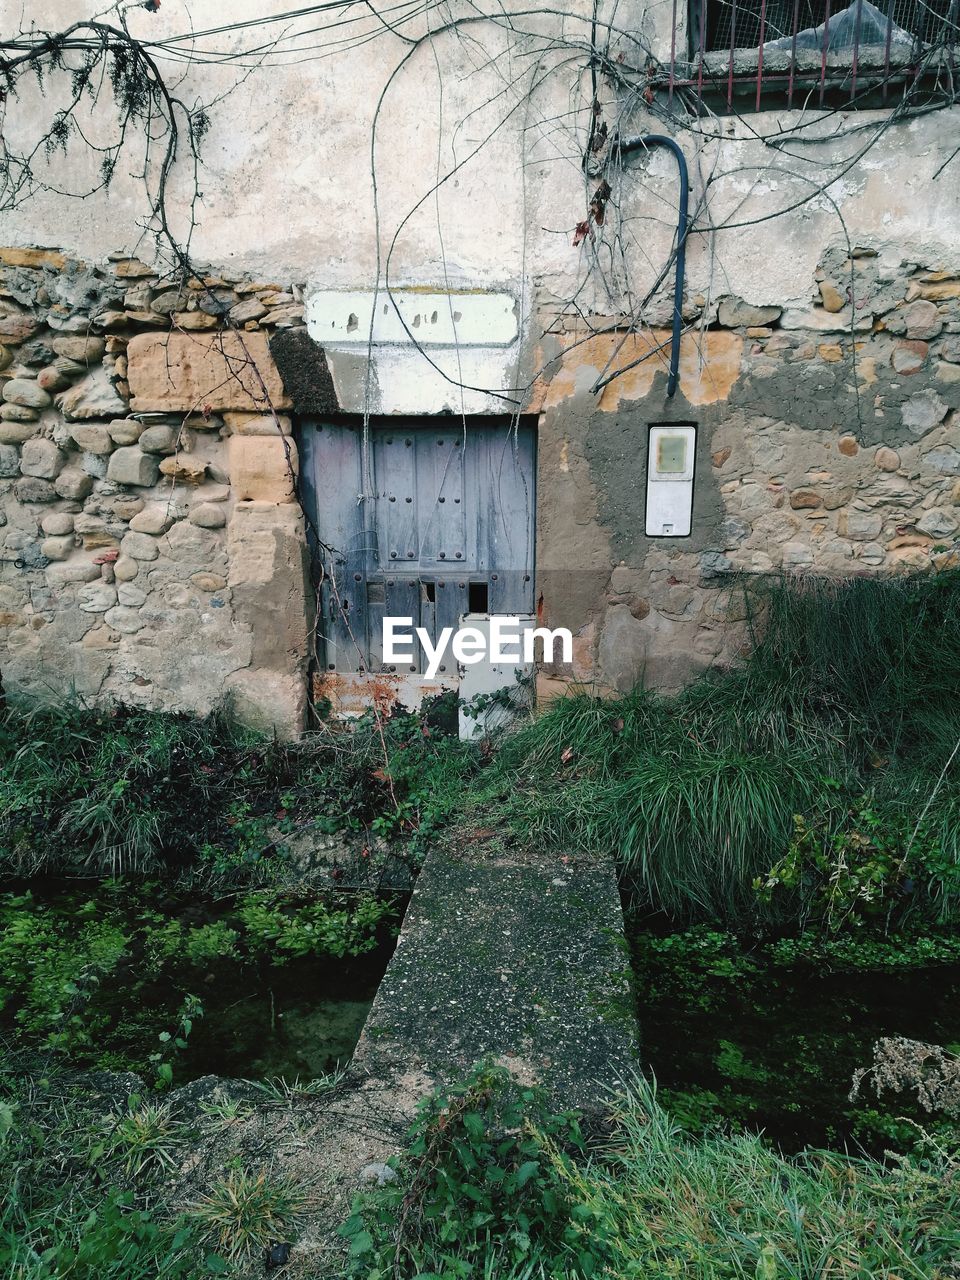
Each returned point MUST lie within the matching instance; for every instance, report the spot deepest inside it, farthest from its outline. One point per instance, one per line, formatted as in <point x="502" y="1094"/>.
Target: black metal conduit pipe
<point x="625" y="147"/>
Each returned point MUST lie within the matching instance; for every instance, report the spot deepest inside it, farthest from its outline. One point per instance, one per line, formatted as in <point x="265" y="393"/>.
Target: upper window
<point x="837" y="51"/>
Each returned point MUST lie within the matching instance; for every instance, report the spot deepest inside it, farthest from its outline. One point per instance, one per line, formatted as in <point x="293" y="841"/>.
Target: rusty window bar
<point x="763" y="26"/>
<point x="823" y="53"/>
<point x="793" y="50"/>
<point x="673" y="52"/>
<point x="856" y="52"/>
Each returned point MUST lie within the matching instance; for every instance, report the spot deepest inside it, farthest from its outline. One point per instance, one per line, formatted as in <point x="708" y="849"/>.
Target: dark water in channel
<point x="299" y="1020"/>
<point x="255" y="1010"/>
<point x="774" y="1048"/>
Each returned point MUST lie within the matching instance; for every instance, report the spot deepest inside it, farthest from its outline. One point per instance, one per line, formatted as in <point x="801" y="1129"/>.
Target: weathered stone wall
<point x="828" y="442"/>
<point x="152" y="548"/>
<point x="150" y="545"/>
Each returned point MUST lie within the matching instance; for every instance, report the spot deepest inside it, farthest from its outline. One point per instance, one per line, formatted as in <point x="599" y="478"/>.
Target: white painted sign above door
<point x="406" y="317"/>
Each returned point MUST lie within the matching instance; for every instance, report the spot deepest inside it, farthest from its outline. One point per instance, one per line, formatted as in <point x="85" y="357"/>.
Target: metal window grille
<point x="798" y="45"/>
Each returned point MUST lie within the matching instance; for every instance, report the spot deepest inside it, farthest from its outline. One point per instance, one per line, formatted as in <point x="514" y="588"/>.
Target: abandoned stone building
<point x="584" y="314"/>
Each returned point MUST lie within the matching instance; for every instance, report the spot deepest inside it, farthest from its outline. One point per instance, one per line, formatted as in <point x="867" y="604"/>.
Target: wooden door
<point x="428" y="519"/>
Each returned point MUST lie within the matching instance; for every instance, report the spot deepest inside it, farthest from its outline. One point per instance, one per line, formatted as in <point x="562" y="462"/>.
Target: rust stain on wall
<point x="709" y="367"/>
<point x="351" y="693"/>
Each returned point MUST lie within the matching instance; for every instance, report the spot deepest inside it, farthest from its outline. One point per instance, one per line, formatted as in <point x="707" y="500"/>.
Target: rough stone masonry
<point x="152" y="547"/>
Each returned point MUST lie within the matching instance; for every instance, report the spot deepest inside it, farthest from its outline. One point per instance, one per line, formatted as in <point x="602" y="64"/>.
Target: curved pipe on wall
<point x="625" y="147"/>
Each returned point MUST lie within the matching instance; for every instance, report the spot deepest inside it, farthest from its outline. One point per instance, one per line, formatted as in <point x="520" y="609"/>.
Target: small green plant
<point x="244" y="1212"/>
<point x="175" y="1042"/>
<point x="146" y="1138"/>
<point x="286" y="929"/>
<point x="869" y="866"/>
<point x="484" y="1164"/>
<point x="284" y="1092"/>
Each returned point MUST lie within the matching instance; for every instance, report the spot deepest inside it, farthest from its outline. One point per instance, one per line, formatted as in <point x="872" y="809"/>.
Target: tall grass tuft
<point x="733" y="1208"/>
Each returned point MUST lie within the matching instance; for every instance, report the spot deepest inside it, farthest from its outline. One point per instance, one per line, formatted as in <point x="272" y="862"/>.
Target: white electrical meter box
<point x="670" y="468"/>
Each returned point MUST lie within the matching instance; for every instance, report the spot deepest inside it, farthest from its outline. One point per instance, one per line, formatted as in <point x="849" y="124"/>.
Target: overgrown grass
<point x="731" y="1207"/>
<point x="848" y="704"/>
<point x="650" y="1201"/>
<point x="845" y="713"/>
<point x="82" y="1190"/>
<point x="119" y="790"/>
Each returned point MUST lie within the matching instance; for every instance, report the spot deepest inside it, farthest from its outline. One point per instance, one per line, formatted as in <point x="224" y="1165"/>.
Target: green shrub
<point x="109" y="791"/>
<point x="480" y="1190"/>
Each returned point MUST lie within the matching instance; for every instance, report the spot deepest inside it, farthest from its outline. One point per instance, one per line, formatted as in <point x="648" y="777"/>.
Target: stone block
<point x="130" y="596"/>
<point x="130" y="465"/>
<point x="100" y="638"/>
<point x="796" y="555"/>
<point x="887" y="459"/>
<point x="859" y="526"/>
<point x="159" y="439"/>
<point x="83" y="350"/>
<point x="33" y="258"/>
<point x="92" y="437"/>
<point x="249" y="309"/>
<point x="173" y="372"/>
<point x="58" y="548"/>
<point x="16" y="432"/>
<point x="125" y="430"/>
<point x="923" y="411"/>
<point x="921" y="320"/>
<point x="133" y="269"/>
<point x="256" y="424"/>
<point x="98" y="597"/>
<point x="938" y="523"/>
<point x="269" y="701"/>
<point x="34" y="489"/>
<point x="125" y="568"/>
<point x="16" y="326"/>
<point x="93" y="397"/>
<point x="831" y="297"/>
<point x="139" y="546"/>
<point x="194" y="321"/>
<point x="74" y="484"/>
<point x="9" y="462"/>
<point x="260" y="468"/>
<point x="907" y="357"/>
<point x="623" y="648"/>
<point x="52" y="379"/>
<point x="208" y="581"/>
<point x="734" y="313"/>
<point x="182" y="469"/>
<point x="27" y="393"/>
<point x="805" y="499"/>
<point x="123" y="619"/>
<point x="41" y="457"/>
<point x="72" y="571"/>
<point x="156" y="518"/>
<point x="208" y="515"/>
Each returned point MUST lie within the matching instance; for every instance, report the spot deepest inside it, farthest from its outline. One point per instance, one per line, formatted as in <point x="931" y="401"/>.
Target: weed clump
<point x="821" y="762"/>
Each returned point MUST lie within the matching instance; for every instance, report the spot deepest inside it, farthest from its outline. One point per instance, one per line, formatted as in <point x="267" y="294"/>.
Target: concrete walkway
<point x="519" y="959"/>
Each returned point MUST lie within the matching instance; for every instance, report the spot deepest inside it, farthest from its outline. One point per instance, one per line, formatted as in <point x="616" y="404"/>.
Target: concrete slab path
<point x="521" y="959"/>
